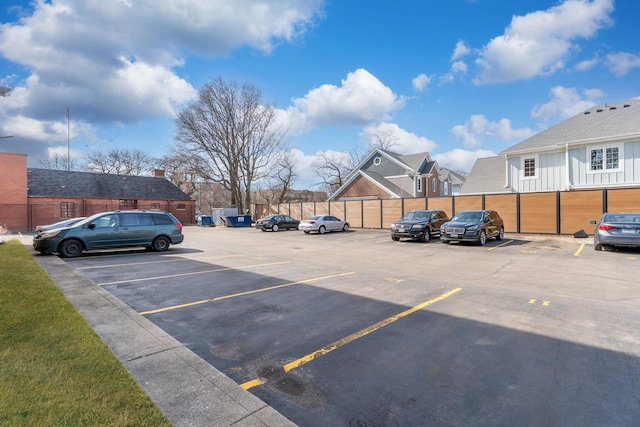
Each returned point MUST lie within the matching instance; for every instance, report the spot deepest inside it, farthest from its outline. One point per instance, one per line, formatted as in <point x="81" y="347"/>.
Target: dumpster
<point x="237" y="221"/>
<point x="206" y="221"/>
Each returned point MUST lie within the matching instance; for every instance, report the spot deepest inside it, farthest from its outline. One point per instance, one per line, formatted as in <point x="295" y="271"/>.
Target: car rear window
<point x="161" y="220"/>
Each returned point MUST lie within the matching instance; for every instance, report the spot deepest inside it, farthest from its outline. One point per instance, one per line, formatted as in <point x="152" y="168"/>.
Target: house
<point x="31" y="196"/>
<point x="387" y="175"/>
<point x="598" y="148"/>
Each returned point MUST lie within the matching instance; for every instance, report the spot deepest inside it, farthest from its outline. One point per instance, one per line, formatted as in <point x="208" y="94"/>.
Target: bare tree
<point x="228" y="136"/>
<point x="120" y="161"/>
<point x="385" y="139"/>
<point x="333" y="169"/>
<point x="59" y="162"/>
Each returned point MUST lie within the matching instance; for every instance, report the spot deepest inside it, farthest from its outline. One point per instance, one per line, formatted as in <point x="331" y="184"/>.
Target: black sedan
<point x="617" y="229"/>
<point x="277" y="222"/>
<point x="473" y="226"/>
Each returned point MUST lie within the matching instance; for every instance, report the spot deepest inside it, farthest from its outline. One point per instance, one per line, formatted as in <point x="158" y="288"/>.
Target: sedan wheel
<point x="275" y="227"/>
<point x="482" y="238"/>
<point x="345" y="227"/>
<point x="322" y="229"/>
<point x="597" y="247"/>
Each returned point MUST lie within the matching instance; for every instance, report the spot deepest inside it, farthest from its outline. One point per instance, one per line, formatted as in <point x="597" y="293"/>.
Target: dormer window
<point x="377" y="161"/>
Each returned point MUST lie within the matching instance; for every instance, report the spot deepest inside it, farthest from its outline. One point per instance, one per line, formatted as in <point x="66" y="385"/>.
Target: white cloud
<point x="461" y="160"/>
<point x="403" y="142"/>
<point x="361" y="99"/>
<point x="622" y="63"/>
<point x="421" y="82"/>
<point x="458" y="67"/>
<point x="460" y="50"/>
<point x="478" y="127"/>
<point x="587" y="64"/>
<point x="540" y="42"/>
<point x="118" y="61"/>
<point x="565" y="102"/>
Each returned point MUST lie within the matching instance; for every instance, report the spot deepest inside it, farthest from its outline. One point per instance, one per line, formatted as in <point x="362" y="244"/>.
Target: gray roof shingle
<point x="599" y="123"/>
<point x="60" y="183"/>
<point x="487" y="176"/>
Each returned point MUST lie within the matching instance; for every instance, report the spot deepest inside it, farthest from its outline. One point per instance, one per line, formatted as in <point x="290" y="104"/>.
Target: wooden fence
<point x="559" y="212"/>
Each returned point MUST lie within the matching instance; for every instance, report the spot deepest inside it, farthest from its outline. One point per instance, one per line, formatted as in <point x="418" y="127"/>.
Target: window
<point x="128" y="204"/>
<point x="529" y="167"/>
<point x="67" y="210"/>
<point x="434" y="185"/>
<point x="419" y="185"/>
<point x="181" y="206"/>
<point x="604" y="159"/>
<point x="155" y="206"/>
<point x="377" y="161"/>
<point x="446" y="188"/>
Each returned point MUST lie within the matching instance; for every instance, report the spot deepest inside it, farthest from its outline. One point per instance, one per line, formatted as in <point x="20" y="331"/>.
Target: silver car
<point x="617" y="229"/>
<point x="322" y="224"/>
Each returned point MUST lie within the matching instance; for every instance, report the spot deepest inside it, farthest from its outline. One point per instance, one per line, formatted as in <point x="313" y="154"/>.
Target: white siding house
<point x="597" y="148"/>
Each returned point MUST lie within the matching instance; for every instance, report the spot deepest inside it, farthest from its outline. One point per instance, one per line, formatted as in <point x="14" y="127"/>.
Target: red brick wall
<point x="13" y="190"/>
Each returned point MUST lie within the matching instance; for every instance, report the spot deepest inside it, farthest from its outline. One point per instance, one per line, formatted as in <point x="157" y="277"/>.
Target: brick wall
<point x="13" y="190"/>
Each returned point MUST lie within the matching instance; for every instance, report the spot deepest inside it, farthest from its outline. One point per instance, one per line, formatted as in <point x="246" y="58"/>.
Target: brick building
<point x="32" y="196"/>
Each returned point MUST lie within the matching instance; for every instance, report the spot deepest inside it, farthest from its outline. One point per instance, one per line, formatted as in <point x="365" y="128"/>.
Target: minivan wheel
<point x="161" y="243"/>
<point x="70" y="248"/>
<point x="482" y="238"/>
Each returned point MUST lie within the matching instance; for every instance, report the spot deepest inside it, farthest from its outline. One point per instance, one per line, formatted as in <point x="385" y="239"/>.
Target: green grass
<point x="54" y="369"/>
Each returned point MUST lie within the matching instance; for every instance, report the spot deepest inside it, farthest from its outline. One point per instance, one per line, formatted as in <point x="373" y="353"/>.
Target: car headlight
<point x="473" y="228"/>
<point x="50" y="234"/>
<point x="417" y="226"/>
<point x="394" y="226"/>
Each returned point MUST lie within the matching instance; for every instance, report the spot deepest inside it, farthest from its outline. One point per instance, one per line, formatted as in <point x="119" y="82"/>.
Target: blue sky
<point x="460" y="79"/>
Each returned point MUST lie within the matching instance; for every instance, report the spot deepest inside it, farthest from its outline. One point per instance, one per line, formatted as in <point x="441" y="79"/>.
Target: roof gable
<point x="60" y="183"/>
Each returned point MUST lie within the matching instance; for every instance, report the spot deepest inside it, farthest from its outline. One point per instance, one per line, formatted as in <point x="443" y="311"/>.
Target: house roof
<point x="385" y="184"/>
<point x="59" y="183"/>
<point x="488" y="175"/>
<point x="454" y="177"/>
<point x="598" y="124"/>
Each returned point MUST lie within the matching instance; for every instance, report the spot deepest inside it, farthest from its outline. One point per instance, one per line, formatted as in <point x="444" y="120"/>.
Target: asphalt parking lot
<point x="353" y="329"/>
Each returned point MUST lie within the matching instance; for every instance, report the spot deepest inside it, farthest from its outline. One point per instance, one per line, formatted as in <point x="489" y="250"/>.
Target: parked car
<point x="616" y="229"/>
<point x="118" y="229"/>
<point x="419" y="225"/>
<point x="473" y="226"/>
<point x="277" y="222"/>
<point x="322" y="224"/>
<point x="60" y="224"/>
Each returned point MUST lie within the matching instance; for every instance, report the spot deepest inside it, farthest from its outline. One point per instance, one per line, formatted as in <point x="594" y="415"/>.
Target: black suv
<point x="473" y="226"/>
<point x="419" y="225"/>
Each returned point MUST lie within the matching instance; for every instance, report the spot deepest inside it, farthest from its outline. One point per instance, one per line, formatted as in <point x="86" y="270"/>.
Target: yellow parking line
<point x="337" y="344"/>
<point x="190" y="273"/>
<point x="500" y="245"/>
<point x="579" y="249"/>
<point x="239" y="294"/>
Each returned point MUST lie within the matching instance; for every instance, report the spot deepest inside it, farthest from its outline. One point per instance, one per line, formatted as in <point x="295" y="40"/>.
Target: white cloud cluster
<point x="461" y="160"/>
<point x="359" y="100"/>
<point x="541" y="41"/>
<point x="622" y="63"/>
<point x="421" y="81"/>
<point x="118" y="60"/>
<point x="401" y="141"/>
<point x="477" y="127"/>
<point x="565" y="102"/>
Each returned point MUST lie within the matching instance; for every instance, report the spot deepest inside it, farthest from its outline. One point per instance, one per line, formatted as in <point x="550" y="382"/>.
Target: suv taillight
<point x="179" y="225"/>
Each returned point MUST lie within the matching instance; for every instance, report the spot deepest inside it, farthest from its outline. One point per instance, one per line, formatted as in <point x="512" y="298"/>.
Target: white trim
<point x="536" y="165"/>
<point x="604" y="149"/>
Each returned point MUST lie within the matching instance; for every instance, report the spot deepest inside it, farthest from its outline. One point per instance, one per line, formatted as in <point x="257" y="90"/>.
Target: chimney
<point x="158" y="173"/>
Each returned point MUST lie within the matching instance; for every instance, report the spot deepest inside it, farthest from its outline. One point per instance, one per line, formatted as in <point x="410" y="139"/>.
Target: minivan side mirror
<point x="91" y="226"/>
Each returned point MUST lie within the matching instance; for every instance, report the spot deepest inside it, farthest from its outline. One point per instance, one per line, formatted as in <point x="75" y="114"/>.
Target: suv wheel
<point x="161" y="244"/>
<point x="482" y="238"/>
<point x="426" y="236"/>
<point x="500" y="235"/>
<point x="394" y="238"/>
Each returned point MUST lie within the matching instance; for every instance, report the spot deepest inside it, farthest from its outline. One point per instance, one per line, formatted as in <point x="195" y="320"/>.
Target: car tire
<point x="161" y="244"/>
<point x="306" y="232"/>
<point x="322" y="229"/>
<point x="275" y="228"/>
<point x="345" y="227"/>
<point x="500" y="235"/>
<point x="597" y="247"/>
<point x="263" y="229"/>
<point x="426" y="236"/>
<point x="482" y="238"/>
<point x="395" y="238"/>
<point x="70" y="248"/>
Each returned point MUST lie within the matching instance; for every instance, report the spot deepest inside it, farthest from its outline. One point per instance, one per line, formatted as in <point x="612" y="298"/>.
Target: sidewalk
<point x="188" y="390"/>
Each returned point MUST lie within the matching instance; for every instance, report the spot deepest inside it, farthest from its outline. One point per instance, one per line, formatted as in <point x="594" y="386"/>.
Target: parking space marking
<point x="500" y="245"/>
<point x="239" y="294"/>
<point x="181" y="258"/>
<point x="337" y="344"/>
<point x="577" y="253"/>
<point x="544" y="303"/>
<point x="192" y="273"/>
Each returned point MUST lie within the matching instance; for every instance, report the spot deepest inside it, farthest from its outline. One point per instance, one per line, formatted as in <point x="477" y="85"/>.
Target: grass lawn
<point x="54" y="369"/>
